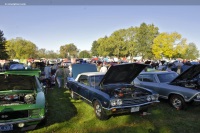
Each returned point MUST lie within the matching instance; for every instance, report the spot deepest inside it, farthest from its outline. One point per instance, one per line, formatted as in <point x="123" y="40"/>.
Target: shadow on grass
<point x="60" y="107"/>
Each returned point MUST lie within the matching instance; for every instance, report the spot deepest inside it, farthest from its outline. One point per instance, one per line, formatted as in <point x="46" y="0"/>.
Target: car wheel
<point x="99" y="112"/>
<point x="177" y="102"/>
<point x="43" y="122"/>
<point x="73" y="95"/>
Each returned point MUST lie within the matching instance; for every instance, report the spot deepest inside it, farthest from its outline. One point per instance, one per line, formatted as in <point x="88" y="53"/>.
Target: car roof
<point x="156" y="72"/>
<point x="93" y="73"/>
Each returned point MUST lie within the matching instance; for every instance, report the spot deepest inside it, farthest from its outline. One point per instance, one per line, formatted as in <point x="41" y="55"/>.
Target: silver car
<point x="178" y="89"/>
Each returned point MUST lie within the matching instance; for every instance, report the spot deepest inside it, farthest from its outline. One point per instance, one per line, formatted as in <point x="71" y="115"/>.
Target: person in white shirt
<point x="103" y="68"/>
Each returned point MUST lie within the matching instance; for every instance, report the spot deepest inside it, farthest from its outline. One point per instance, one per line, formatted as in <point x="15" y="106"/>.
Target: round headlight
<point x="148" y="98"/>
<point x="198" y="96"/>
<point x="119" y="102"/>
<point x="113" y="103"/>
<point x="29" y="98"/>
<point x="153" y="98"/>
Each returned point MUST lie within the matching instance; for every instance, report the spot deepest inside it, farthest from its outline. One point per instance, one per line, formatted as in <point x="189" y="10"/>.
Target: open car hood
<point x="81" y="68"/>
<point x="189" y="74"/>
<point x="18" y="79"/>
<point x="123" y="73"/>
<point x="16" y="82"/>
<point x="30" y="72"/>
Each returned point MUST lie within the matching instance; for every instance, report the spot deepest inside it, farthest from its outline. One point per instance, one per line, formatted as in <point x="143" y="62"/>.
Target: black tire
<point x="43" y="122"/>
<point x="99" y="112"/>
<point x="177" y="102"/>
<point x="73" y="95"/>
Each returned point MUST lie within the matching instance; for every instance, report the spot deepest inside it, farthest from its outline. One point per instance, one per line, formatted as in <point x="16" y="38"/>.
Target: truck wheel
<point x="99" y="112"/>
<point x="177" y="102"/>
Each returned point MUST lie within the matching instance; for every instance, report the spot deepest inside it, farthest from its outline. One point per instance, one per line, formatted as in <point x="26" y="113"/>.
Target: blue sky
<point x="50" y="27"/>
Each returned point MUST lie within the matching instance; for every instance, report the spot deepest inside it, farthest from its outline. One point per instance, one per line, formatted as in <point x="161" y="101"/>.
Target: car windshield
<point x="95" y="80"/>
<point x="167" y="77"/>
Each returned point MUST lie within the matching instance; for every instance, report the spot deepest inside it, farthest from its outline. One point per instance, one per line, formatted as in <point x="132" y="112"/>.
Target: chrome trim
<point x="21" y="121"/>
<point x="193" y="97"/>
<point x="83" y="97"/>
<point x="119" y="107"/>
<point x="197" y="100"/>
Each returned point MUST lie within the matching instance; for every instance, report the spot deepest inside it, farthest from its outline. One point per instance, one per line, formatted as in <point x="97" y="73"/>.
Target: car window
<point x="167" y="77"/>
<point x="83" y="80"/>
<point x="146" y="78"/>
<point x="95" y="80"/>
<point x="139" y="77"/>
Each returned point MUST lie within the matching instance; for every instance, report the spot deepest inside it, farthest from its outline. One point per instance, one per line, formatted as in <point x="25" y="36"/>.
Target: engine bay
<point x="126" y="92"/>
<point x="16" y="99"/>
<point x="193" y="84"/>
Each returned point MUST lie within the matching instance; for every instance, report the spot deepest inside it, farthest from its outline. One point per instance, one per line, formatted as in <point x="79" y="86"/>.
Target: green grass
<point x="66" y="115"/>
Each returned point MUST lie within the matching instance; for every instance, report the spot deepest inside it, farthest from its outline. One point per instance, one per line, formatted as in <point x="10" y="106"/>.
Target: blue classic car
<point x="178" y="89"/>
<point x="22" y="100"/>
<point x="112" y="92"/>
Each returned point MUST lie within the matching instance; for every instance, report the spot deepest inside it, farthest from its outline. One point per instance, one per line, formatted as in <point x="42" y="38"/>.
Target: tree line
<point x="145" y="41"/>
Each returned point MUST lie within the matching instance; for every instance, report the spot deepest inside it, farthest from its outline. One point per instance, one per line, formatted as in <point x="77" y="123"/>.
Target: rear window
<point x="146" y="78"/>
<point x="167" y="77"/>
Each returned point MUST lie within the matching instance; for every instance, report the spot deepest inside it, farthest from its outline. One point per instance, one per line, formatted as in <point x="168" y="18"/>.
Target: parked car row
<point x="112" y="92"/>
<point x="178" y="89"/>
<point x="123" y="89"/>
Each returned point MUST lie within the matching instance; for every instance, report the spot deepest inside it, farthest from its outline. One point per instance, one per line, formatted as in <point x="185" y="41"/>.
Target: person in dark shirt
<point x="186" y="66"/>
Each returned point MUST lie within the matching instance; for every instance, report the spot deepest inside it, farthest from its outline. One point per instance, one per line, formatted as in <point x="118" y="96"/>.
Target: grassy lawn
<point x="69" y="116"/>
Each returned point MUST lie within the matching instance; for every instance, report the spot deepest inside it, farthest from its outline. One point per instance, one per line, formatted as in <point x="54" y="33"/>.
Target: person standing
<point x="47" y="71"/>
<point x="59" y="76"/>
<point x="104" y="68"/>
<point x="66" y="75"/>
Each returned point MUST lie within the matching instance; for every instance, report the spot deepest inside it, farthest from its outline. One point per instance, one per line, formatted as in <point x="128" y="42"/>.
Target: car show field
<point x="76" y="116"/>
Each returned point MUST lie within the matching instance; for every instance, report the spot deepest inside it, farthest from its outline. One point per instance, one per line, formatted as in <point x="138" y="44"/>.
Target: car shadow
<point x="59" y="107"/>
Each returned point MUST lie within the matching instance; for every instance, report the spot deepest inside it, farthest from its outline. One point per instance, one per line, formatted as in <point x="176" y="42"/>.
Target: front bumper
<point x="29" y="123"/>
<point x="128" y="109"/>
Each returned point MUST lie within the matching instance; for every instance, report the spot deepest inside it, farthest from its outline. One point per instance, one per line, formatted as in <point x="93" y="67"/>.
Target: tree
<point x="41" y="53"/>
<point x="3" y="51"/>
<point x="130" y="41"/>
<point x="144" y="39"/>
<point x="50" y="54"/>
<point x="191" y="52"/>
<point x="94" y="48"/>
<point x="84" y="54"/>
<point x="118" y="43"/>
<point x="105" y="46"/>
<point x="68" y="50"/>
<point x="169" y="45"/>
<point x="21" y="49"/>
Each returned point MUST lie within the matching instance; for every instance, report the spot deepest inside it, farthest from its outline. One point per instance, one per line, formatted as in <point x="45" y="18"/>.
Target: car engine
<point x="193" y="84"/>
<point x="16" y="99"/>
<point x="126" y="92"/>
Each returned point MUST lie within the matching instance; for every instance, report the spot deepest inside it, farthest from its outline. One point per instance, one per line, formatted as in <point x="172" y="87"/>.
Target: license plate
<point x="135" y="109"/>
<point x="6" y="127"/>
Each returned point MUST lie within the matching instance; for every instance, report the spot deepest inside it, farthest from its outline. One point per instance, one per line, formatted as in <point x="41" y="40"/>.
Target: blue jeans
<point x="59" y="81"/>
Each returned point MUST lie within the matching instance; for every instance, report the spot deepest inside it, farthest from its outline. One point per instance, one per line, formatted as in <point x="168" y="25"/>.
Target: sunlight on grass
<point x="66" y="115"/>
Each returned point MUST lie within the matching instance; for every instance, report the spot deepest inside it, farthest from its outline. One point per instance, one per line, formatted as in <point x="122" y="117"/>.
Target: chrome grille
<point x="13" y="115"/>
<point x="134" y="100"/>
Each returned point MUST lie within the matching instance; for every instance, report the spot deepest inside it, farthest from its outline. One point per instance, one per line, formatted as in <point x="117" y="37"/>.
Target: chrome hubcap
<point x="176" y="103"/>
<point x="98" y="110"/>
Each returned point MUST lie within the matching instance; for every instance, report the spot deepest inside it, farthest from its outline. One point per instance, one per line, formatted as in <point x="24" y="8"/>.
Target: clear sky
<point x="50" y="27"/>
